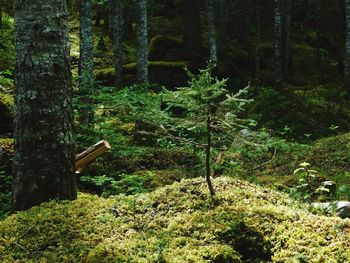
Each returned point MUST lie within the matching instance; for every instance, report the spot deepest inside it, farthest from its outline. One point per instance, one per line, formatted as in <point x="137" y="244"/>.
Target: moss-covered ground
<point x="177" y="223"/>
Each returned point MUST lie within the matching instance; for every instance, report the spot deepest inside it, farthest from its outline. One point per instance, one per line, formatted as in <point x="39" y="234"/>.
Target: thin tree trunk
<point x="286" y="24"/>
<point x="212" y="36"/>
<point x="44" y="142"/>
<point x="142" y="39"/>
<point x="0" y="14"/>
<point x="86" y="64"/>
<point x="208" y="155"/>
<point x="347" y="47"/>
<point x="257" y="45"/>
<point x="222" y="19"/>
<point x="243" y="27"/>
<point x="117" y="24"/>
<point x="191" y="26"/>
<point x="278" y="43"/>
<point x="318" y="32"/>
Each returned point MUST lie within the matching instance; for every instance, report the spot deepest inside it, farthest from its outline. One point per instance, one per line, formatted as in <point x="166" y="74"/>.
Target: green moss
<point x="177" y="223"/>
<point x="167" y="48"/>
<point x="7" y="145"/>
<point x="168" y="73"/>
<point x="7" y="50"/>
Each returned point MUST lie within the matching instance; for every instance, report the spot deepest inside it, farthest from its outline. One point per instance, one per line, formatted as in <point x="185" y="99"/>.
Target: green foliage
<point x="7" y="47"/>
<point x="309" y="186"/>
<point x="5" y="193"/>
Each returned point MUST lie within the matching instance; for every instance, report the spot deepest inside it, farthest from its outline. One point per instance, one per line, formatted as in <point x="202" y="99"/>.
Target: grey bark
<point x="278" y="43"/>
<point x="86" y="63"/>
<point x="142" y="40"/>
<point x="347" y="47"/>
<point x="117" y="23"/>
<point x="44" y="143"/>
<point x="211" y="30"/>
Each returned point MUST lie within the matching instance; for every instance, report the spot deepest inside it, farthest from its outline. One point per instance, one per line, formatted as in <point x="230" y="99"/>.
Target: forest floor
<point x="177" y="223"/>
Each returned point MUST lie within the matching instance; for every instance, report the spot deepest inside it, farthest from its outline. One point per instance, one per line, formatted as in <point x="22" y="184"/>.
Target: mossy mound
<point x="6" y="112"/>
<point x="177" y="223"/>
<point x="167" y="73"/>
<point x="167" y="48"/>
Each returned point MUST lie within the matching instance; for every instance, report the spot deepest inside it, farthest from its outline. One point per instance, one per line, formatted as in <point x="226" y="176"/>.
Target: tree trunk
<point x="211" y="30"/>
<point x="347" y="47"/>
<point x="278" y="43"/>
<point x="208" y="154"/>
<point x="257" y="44"/>
<point x="116" y="10"/>
<point x="318" y="31"/>
<point x="86" y="64"/>
<point x="191" y="26"/>
<point x="286" y="24"/>
<point x="243" y="26"/>
<point x="0" y="14"/>
<point x="44" y="143"/>
<point x="142" y="39"/>
<point x="222" y="19"/>
<point x="212" y="36"/>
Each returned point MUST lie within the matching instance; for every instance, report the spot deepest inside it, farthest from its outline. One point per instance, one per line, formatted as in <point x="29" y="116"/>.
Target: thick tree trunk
<point x="44" y="143"/>
<point x="278" y="43"/>
<point x="208" y="156"/>
<point x="116" y="10"/>
<point x="191" y="26"/>
<point x="347" y="47"/>
<point x="212" y="36"/>
<point x="86" y="64"/>
<point x="142" y="40"/>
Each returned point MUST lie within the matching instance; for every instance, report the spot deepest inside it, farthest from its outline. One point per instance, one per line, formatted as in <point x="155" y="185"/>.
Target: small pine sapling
<point x="205" y="115"/>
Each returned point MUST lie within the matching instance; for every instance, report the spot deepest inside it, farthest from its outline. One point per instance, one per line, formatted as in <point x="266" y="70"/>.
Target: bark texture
<point x="44" y="144"/>
<point x="142" y="40"/>
<point x="117" y="24"/>
<point x="211" y="30"/>
<point x="278" y="43"/>
<point x="86" y="63"/>
<point x="347" y="47"/>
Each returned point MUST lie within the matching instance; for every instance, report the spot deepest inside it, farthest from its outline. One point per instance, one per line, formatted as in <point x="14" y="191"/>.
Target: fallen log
<point x="82" y="160"/>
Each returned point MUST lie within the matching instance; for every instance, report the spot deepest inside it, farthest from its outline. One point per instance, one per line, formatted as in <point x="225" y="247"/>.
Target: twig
<point x="265" y="163"/>
<point x="181" y="139"/>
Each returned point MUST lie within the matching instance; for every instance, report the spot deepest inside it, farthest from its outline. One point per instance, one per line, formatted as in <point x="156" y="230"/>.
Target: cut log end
<point x="82" y="160"/>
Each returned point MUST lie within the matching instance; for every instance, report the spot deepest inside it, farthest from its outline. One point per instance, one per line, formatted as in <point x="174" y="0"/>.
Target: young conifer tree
<point x="210" y="115"/>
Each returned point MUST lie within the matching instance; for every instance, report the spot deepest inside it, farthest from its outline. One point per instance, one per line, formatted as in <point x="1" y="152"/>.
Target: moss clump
<point x="177" y="223"/>
<point x="168" y="48"/>
<point x="168" y="73"/>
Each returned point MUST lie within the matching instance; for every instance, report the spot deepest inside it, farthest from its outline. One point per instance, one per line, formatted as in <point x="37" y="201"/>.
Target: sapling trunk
<point x="207" y="160"/>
